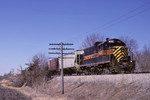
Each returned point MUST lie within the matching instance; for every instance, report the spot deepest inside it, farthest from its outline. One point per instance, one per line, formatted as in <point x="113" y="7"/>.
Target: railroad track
<point x="111" y="74"/>
<point x="140" y="78"/>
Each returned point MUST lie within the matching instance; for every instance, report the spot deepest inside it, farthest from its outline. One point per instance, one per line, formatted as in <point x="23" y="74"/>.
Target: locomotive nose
<point x="120" y="52"/>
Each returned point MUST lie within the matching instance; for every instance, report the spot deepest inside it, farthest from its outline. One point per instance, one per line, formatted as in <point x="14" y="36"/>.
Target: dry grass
<point x="98" y="90"/>
<point x="1" y="78"/>
<point x="103" y="87"/>
<point x="10" y="94"/>
<point x="35" y="74"/>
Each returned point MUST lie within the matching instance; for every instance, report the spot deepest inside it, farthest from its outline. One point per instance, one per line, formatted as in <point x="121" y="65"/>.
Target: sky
<point x="28" y="26"/>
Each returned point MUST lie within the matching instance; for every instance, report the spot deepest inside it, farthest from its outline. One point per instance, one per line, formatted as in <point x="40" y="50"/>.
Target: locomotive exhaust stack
<point x="107" y="39"/>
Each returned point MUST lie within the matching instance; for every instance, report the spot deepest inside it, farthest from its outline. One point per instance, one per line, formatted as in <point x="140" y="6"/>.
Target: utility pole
<point x="62" y="71"/>
<point x="61" y="52"/>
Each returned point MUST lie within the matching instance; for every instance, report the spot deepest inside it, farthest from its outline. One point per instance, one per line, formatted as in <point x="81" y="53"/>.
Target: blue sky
<point x="28" y="26"/>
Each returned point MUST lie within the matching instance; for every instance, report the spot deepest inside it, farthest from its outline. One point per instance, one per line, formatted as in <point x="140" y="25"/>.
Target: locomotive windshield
<point x="114" y="42"/>
<point x="111" y="43"/>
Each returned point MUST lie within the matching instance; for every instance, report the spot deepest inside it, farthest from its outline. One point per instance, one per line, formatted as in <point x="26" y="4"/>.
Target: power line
<point x="122" y="16"/>
<point x="119" y="19"/>
<point x="122" y="20"/>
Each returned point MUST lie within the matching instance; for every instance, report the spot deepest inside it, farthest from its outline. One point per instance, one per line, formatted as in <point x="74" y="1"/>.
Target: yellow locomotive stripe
<point x="120" y="52"/>
<point x="120" y="57"/>
<point x="117" y="53"/>
<point x="125" y="52"/>
<point x="117" y="50"/>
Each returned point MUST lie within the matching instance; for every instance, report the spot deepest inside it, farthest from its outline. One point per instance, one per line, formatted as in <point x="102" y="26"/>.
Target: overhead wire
<point x="117" y="20"/>
<point x="122" y="16"/>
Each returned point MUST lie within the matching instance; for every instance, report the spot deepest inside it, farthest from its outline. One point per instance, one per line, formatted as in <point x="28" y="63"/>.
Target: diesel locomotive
<point x="111" y="56"/>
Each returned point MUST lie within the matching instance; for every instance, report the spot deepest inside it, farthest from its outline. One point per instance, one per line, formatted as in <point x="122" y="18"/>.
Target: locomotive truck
<point x="109" y="57"/>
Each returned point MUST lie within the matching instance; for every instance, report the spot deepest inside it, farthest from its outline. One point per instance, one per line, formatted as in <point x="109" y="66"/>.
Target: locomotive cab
<point x="120" y="51"/>
<point x="120" y="58"/>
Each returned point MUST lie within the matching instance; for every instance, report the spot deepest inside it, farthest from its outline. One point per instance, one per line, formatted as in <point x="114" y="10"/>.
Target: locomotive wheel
<point x="106" y="70"/>
<point x="118" y="69"/>
<point x="78" y="73"/>
<point x="129" y="69"/>
<point x="113" y="67"/>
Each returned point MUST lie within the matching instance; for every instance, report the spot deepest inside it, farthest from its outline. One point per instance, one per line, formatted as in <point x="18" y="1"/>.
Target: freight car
<point x="53" y="66"/>
<point x="111" y="56"/>
<point x="70" y="63"/>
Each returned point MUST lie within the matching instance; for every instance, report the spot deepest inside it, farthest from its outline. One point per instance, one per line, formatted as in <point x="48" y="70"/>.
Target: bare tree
<point x="91" y="39"/>
<point x="132" y="48"/>
<point x="130" y="43"/>
<point x="40" y="59"/>
<point x="143" y="59"/>
<point x="35" y="74"/>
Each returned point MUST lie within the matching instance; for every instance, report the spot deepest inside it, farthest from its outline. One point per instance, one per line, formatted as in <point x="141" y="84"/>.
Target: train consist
<point x="111" y="56"/>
